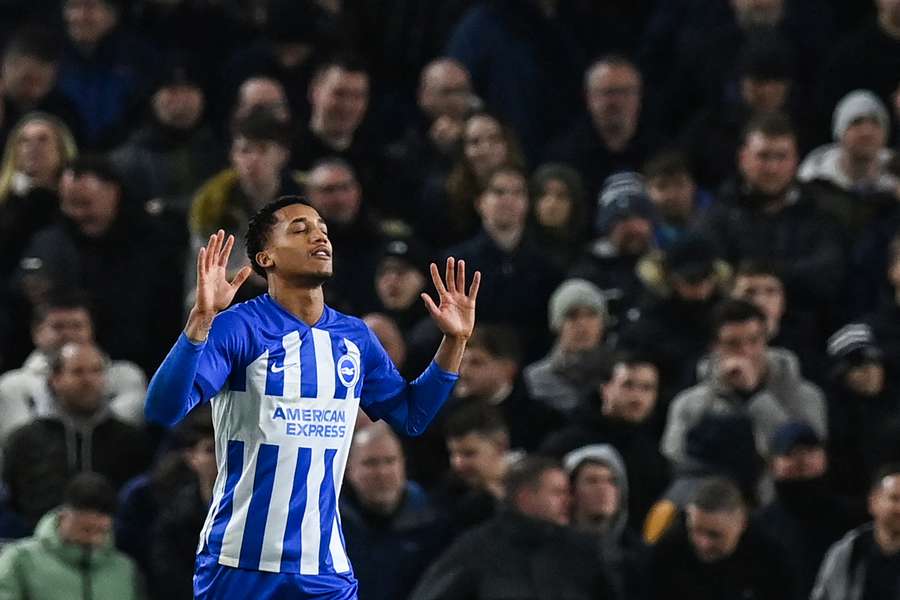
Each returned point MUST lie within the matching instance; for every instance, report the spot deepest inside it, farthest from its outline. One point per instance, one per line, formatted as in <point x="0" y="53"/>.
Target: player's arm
<point x="178" y="385"/>
<point x="410" y="407"/>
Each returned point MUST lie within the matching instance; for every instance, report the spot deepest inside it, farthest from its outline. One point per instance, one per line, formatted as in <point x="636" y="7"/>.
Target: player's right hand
<point x="214" y="291"/>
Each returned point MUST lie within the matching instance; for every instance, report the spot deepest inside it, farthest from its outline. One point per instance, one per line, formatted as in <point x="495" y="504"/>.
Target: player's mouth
<point x="321" y="252"/>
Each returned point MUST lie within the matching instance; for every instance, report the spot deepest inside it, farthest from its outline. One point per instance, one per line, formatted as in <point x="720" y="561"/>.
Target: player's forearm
<point x="422" y="399"/>
<point x="171" y="394"/>
<point x="198" y="325"/>
<point x="450" y="352"/>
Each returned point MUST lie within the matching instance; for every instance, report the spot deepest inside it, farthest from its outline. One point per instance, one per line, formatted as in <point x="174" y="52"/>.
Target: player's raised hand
<point x="214" y="291"/>
<point x="455" y="312"/>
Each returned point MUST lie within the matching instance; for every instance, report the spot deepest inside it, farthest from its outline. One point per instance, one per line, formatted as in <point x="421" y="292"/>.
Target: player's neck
<point x="307" y="303"/>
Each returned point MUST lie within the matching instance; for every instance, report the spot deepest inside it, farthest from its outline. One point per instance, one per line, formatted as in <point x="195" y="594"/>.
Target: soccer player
<point x="286" y="375"/>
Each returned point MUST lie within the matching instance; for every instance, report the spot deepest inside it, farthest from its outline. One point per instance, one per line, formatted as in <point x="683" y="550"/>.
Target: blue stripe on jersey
<point x="308" y="377"/>
<point x="234" y="464"/>
<point x="255" y="528"/>
<point x="290" y="554"/>
<point x="274" y="377"/>
<point x="326" y="513"/>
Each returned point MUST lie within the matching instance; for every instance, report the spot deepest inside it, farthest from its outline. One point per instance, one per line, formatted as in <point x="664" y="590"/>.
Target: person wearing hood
<point x="599" y="485"/>
<point x="682" y="285"/>
<point x="71" y="554"/>
<point x="579" y="360"/>
<point x="805" y="515"/>
<point x="862" y="403"/>
<point x="129" y="265"/>
<point x="82" y="435"/>
<point x="527" y="551"/>
<point x="744" y="377"/>
<point x="620" y="412"/>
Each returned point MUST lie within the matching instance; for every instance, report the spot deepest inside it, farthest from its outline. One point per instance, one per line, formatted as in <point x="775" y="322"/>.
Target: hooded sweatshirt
<point x="782" y="396"/>
<point x="44" y="567"/>
<point x="621" y="549"/>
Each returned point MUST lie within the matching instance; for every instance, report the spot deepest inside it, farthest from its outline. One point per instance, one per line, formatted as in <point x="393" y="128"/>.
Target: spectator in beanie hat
<point x="861" y="401"/>
<point x="579" y="360"/>
<point x="624" y="233"/>
<point x="856" y="165"/>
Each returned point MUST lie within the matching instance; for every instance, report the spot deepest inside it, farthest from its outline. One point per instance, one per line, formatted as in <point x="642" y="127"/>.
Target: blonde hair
<point x="65" y="145"/>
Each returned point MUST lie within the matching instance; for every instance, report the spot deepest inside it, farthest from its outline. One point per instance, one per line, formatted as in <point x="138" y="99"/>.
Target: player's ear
<point x="263" y="259"/>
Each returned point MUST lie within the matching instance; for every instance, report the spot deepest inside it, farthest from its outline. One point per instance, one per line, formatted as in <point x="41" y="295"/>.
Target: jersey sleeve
<point x="407" y="406"/>
<point x="194" y="372"/>
<point x="383" y="384"/>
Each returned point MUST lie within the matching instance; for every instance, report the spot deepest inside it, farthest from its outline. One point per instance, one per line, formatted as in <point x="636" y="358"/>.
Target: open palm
<point x="455" y="312"/>
<point x="214" y="291"/>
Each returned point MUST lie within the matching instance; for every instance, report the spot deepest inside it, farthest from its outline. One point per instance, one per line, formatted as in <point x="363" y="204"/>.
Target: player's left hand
<point x="455" y="313"/>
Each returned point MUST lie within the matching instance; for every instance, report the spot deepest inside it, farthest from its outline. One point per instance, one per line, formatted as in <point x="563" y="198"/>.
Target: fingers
<point x="461" y="276"/>
<point x="451" y="275"/>
<point x="226" y="251"/>
<point x="436" y="279"/>
<point x="473" y="289"/>
<point x="241" y="277"/>
<point x="429" y="303"/>
<point x="201" y="263"/>
<point x="212" y="249"/>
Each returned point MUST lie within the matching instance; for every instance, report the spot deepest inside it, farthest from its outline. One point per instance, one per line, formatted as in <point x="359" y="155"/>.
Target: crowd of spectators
<point x="685" y="377"/>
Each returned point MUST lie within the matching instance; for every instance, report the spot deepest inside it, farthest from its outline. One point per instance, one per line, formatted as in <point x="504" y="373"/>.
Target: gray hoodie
<point x="784" y="396"/>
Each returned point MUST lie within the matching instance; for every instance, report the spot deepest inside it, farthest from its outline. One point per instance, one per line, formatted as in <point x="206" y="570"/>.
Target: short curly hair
<point x="261" y="225"/>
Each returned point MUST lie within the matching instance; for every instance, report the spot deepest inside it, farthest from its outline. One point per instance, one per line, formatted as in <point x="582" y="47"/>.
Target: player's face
<point x="298" y="244"/>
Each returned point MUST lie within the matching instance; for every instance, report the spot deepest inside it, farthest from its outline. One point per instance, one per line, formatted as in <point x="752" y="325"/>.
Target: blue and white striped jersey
<point x="285" y="398"/>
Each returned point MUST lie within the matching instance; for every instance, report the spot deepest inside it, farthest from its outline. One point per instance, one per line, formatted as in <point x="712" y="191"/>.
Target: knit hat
<point x="855" y="105"/>
<point x="623" y="195"/>
<point x="853" y="344"/>
<point x="574" y="293"/>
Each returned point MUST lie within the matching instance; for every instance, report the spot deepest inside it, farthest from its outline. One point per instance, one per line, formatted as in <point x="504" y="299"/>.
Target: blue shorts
<point x="213" y="581"/>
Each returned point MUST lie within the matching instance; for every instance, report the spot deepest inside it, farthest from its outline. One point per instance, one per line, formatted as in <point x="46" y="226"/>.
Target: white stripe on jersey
<point x="310" y="528"/>
<point x="324" y="365"/>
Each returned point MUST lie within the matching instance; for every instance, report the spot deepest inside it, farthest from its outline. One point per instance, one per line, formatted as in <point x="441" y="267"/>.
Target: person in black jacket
<point x="174" y="535"/>
<point x="129" y="266"/>
<point x="716" y="553"/>
<point x="620" y="413"/>
<point x="806" y="514"/>
<point x="526" y="552"/>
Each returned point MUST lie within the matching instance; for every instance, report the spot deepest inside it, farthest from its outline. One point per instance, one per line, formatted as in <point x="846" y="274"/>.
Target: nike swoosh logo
<point x="277" y="369"/>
